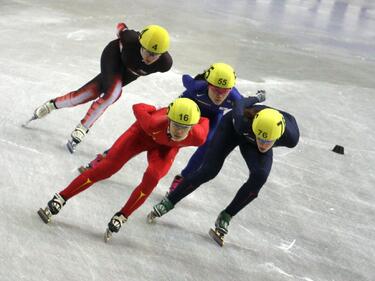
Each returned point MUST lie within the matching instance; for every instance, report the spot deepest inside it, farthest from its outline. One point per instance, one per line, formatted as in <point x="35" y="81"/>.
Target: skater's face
<point x="178" y="132"/>
<point x="218" y="95"/>
<point x="149" y="57"/>
<point x="264" y="145"/>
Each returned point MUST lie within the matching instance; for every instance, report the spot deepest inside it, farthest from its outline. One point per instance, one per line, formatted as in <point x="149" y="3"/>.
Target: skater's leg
<point x="194" y="163"/>
<point x="224" y="141"/>
<point x="259" y="165"/>
<point x="126" y="147"/>
<point x="111" y="89"/>
<point x="159" y="162"/>
<point x="88" y="92"/>
<point x="111" y="86"/>
<point x="98" y="107"/>
<point x="111" y="83"/>
<point x="196" y="159"/>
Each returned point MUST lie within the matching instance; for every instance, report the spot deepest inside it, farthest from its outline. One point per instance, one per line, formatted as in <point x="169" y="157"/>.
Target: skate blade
<point x="28" y="121"/>
<point x="107" y="235"/>
<point x="217" y="237"/>
<point x="42" y="214"/>
<point x="71" y="145"/>
<point x="151" y="218"/>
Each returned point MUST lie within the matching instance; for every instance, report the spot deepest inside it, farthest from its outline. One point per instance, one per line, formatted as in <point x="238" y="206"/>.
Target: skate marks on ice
<point x="22" y="147"/>
<point x="201" y="236"/>
<point x="65" y="229"/>
<point x="272" y="268"/>
<point x="286" y="246"/>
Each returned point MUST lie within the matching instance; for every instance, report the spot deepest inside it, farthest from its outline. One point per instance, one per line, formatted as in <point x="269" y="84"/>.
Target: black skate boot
<point x="160" y="209"/>
<point x="221" y="228"/>
<point x="114" y="225"/>
<point x="53" y="208"/>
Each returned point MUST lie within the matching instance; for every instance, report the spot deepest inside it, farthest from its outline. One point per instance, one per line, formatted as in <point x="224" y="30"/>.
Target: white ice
<point x="314" y="219"/>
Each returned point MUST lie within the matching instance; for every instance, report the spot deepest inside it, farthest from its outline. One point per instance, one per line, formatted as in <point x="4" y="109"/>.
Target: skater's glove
<point x="158" y="106"/>
<point x="261" y="95"/>
<point x="119" y="28"/>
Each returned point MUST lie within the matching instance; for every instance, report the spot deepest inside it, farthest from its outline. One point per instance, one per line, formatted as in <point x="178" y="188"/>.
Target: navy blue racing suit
<point x="197" y="90"/>
<point x="235" y="130"/>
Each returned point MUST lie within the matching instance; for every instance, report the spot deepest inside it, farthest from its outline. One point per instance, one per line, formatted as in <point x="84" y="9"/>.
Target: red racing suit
<point x="149" y="133"/>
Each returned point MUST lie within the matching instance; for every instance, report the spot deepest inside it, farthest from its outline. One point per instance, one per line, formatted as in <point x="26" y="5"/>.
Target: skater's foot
<point x="77" y="135"/>
<point x="114" y="225"/>
<point x="116" y="222"/>
<point x="162" y="208"/>
<point x="53" y="208"/>
<point x="222" y="222"/>
<point x="56" y="203"/>
<point x="44" y="109"/>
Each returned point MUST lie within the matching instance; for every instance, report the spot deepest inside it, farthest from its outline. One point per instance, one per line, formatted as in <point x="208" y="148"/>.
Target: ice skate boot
<point x="77" y="136"/>
<point x="44" y="109"/>
<point x="53" y="208"/>
<point x="176" y="181"/>
<point x="41" y="111"/>
<point x="221" y="228"/>
<point x="93" y="163"/>
<point x="160" y="209"/>
<point x="114" y="225"/>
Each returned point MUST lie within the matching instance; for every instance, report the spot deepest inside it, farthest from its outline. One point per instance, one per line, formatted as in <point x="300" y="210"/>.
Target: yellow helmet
<point x="221" y="75"/>
<point x="184" y="111"/>
<point x="268" y="124"/>
<point x="155" y="39"/>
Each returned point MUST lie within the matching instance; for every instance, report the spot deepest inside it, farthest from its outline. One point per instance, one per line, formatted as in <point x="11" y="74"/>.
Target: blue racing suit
<point x="197" y="90"/>
<point x="235" y="130"/>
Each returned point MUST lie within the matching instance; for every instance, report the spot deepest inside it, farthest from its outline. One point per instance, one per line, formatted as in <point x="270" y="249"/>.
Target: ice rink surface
<point x="314" y="219"/>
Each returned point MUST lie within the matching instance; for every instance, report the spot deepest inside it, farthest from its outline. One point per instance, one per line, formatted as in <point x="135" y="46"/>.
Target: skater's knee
<point x="152" y="175"/>
<point x="260" y="176"/>
<point x="206" y="173"/>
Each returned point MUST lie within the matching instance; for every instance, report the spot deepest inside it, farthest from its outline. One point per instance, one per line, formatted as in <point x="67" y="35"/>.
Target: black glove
<point x="261" y="95"/>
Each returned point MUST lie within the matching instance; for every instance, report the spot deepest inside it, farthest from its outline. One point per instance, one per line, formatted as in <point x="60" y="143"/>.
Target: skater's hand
<point x="119" y="28"/>
<point x="261" y="95"/>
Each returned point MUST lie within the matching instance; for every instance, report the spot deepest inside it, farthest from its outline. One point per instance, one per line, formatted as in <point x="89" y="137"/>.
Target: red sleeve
<point x="143" y="114"/>
<point x="200" y="132"/>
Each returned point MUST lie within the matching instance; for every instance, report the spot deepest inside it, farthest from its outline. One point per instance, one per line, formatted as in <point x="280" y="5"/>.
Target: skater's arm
<point x="240" y="117"/>
<point x="121" y="27"/>
<point x="143" y="114"/>
<point x="192" y="84"/>
<point x="235" y="95"/>
<point x="187" y="81"/>
<point x="290" y="137"/>
<point x="165" y="62"/>
<point x="199" y="132"/>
